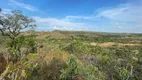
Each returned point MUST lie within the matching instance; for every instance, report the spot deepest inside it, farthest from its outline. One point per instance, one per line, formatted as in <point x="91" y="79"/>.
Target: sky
<point x="123" y="16"/>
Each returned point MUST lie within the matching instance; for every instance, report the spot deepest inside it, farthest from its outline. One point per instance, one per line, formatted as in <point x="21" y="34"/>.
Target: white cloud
<point x="122" y="17"/>
<point x="80" y="17"/>
<point x="23" y="5"/>
<point x="123" y="12"/>
<point x="6" y="10"/>
<point x="118" y="25"/>
<point x="59" y="24"/>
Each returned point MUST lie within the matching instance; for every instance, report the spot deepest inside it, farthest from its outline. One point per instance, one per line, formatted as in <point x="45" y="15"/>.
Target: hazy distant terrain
<point x="90" y="36"/>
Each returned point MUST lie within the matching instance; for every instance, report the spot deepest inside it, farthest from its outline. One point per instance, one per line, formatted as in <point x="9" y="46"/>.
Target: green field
<point x="70" y="55"/>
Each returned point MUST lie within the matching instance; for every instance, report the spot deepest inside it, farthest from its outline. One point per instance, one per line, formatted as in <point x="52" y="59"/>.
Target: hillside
<point x="90" y="36"/>
<point x="74" y="55"/>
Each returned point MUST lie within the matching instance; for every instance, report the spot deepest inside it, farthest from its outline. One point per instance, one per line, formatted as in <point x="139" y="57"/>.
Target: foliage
<point x="78" y="47"/>
<point x="11" y="25"/>
<point x="20" y="71"/>
<point x="71" y="70"/>
<point x="76" y="70"/>
<point x="14" y="23"/>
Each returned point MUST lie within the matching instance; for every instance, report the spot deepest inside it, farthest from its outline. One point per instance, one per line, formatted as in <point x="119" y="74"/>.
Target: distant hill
<point x="69" y="34"/>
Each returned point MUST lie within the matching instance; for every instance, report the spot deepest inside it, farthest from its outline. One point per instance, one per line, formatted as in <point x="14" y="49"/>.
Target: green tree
<point x="11" y="25"/>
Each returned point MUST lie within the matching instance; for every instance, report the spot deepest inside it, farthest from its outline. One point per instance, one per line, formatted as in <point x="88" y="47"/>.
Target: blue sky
<point x="86" y="15"/>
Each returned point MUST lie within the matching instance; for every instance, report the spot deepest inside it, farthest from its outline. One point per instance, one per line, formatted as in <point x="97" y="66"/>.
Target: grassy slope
<point x="57" y="46"/>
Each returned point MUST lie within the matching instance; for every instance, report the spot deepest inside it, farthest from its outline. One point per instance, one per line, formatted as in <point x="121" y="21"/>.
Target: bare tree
<point x="11" y="24"/>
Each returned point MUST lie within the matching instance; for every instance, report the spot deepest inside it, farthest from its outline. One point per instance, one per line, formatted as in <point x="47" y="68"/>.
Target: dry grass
<point x="53" y="63"/>
<point x="120" y="44"/>
<point x="60" y="56"/>
<point x="109" y="44"/>
<point x="40" y="35"/>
